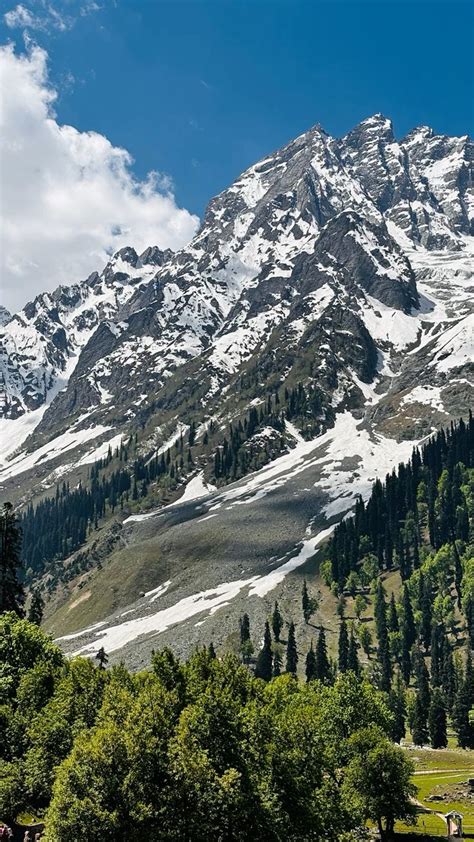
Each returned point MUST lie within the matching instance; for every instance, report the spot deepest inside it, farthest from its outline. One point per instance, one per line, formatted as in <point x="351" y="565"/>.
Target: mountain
<point x="42" y="343"/>
<point x="317" y="326"/>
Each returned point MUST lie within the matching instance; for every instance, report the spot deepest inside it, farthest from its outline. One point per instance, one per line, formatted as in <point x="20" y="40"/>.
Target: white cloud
<point x="89" y="8"/>
<point x="43" y="16"/>
<point x="19" y="16"/>
<point x="68" y="198"/>
<point x="47" y="19"/>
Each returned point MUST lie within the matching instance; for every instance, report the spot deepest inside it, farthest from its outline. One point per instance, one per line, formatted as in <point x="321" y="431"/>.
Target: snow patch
<point x="101" y="451"/>
<point x="56" y="447"/>
<point x="429" y="395"/>
<point x="195" y="489"/>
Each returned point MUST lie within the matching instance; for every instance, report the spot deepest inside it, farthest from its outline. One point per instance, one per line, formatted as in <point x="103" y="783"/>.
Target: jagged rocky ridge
<point x="255" y="263"/>
<point x="342" y="263"/>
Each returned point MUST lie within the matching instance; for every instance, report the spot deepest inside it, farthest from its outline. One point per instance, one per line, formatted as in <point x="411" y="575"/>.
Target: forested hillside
<point x="420" y="522"/>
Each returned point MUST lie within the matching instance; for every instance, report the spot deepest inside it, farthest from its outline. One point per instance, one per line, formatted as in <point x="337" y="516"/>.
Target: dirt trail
<point x="424" y="809"/>
<point x="442" y="771"/>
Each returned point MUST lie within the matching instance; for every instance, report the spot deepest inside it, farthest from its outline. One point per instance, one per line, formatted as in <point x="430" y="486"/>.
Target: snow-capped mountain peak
<point x="323" y="239"/>
<point x="317" y="326"/>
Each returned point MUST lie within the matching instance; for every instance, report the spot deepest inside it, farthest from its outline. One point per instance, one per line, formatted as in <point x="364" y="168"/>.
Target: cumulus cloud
<point x="68" y="198"/>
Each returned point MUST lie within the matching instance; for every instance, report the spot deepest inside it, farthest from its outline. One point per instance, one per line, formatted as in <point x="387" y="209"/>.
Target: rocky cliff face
<point x="342" y="264"/>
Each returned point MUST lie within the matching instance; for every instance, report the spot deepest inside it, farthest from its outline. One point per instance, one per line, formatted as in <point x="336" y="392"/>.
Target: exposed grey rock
<point x="5" y="316"/>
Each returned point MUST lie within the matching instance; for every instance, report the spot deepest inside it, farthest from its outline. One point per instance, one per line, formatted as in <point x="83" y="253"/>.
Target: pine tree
<point x="323" y="667"/>
<point x="422" y="678"/>
<point x="385" y="666"/>
<point x="392" y="617"/>
<point x="460" y="717"/>
<point x="397" y="705"/>
<point x="35" y="611"/>
<point x="343" y="647"/>
<point x="380" y="612"/>
<point x="306" y="603"/>
<point x="311" y="673"/>
<point x="437" y="721"/>
<point x="102" y="658"/>
<point x="469" y="679"/>
<point x="12" y="594"/>
<point x="437" y="637"/>
<point x="244" y="624"/>
<point x="404" y="561"/>
<point x="409" y="628"/>
<point x="426" y="612"/>
<point x="291" y="651"/>
<point x="469" y="614"/>
<point x="448" y="676"/>
<point x="405" y="662"/>
<point x="212" y="651"/>
<point x="277" y="664"/>
<point x="419" y="728"/>
<point x="277" y="622"/>
<point x="383" y="652"/>
<point x="352" y="656"/>
<point x="246" y="645"/>
<point x="263" y="667"/>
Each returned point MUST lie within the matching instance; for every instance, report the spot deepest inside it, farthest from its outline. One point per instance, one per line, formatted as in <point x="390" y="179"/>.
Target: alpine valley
<point x="191" y="426"/>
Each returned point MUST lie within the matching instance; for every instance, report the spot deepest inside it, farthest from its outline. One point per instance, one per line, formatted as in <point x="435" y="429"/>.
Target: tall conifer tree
<point x="12" y="595"/>
<point x="306" y="602"/>
<point x="419" y="723"/>
<point x="310" y="670"/>
<point x="352" y="656"/>
<point x="291" y="651"/>
<point x="264" y="665"/>
<point x="277" y="622"/>
<point x="437" y="721"/>
<point x="323" y="667"/>
<point x="343" y="647"/>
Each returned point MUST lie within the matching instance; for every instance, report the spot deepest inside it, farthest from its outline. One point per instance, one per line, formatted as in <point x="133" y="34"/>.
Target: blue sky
<point x="201" y="89"/>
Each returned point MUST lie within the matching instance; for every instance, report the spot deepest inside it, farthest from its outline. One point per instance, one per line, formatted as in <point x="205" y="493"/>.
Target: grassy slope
<point x="438" y="769"/>
<point x="326" y="614"/>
